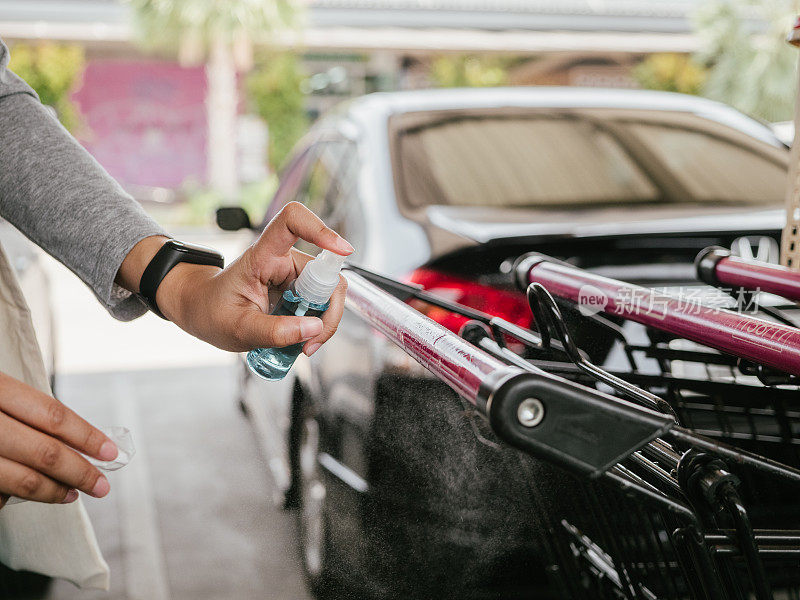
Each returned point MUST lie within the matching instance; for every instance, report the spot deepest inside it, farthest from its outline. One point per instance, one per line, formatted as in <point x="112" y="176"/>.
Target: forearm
<point x="61" y="198"/>
<point x="136" y="261"/>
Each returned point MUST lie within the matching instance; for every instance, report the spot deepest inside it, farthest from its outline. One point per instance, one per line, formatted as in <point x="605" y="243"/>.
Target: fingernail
<point x="71" y="496"/>
<point x="108" y="451"/>
<point x="310" y="327"/>
<point x="312" y="348"/>
<point x="344" y="245"/>
<point x="101" y="488"/>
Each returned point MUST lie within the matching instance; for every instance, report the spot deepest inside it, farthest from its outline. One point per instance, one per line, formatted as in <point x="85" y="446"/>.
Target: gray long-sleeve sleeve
<point x="53" y="191"/>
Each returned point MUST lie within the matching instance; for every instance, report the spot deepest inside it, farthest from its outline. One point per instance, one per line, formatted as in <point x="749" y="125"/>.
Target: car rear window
<point x="713" y="168"/>
<point x="544" y="160"/>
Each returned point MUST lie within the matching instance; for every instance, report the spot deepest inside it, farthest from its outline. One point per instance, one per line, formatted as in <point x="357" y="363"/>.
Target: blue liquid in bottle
<point x="273" y="364"/>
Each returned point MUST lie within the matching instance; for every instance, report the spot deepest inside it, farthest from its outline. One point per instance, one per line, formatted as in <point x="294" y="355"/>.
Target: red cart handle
<point x="471" y="372"/>
<point x="716" y="266"/>
<point x="761" y="341"/>
<point x="549" y="417"/>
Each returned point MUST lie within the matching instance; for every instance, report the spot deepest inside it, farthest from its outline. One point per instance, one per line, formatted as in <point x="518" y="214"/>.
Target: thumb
<point x="271" y="331"/>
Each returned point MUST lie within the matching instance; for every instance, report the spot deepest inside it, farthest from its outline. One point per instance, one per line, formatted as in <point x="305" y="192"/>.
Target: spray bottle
<point x="308" y="296"/>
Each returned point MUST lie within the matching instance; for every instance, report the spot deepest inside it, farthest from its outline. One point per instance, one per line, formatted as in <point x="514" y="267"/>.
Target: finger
<point x="295" y="222"/>
<point x="257" y="330"/>
<point x="330" y="318"/>
<point x="23" y="482"/>
<point x="49" y="456"/>
<point x="48" y="415"/>
<point x="300" y="260"/>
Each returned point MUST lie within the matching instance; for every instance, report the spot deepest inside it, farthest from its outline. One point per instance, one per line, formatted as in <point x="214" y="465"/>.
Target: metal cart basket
<point x="677" y="460"/>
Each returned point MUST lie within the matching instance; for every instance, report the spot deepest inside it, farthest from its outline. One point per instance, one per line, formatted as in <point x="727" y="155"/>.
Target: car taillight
<point x="509" y="305"/>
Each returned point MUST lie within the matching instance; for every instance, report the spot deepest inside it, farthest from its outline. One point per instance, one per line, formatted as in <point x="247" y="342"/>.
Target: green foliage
<point x="202" y="202"/>
<point x="755" y="72"/>
<point x="52" y="70"/>
<point x="470" y="71"/>
<point x="256" y="197"/>
<point x="670" y="73"/>
<point x="273" y="92"/>
<point x="167" y="23"/>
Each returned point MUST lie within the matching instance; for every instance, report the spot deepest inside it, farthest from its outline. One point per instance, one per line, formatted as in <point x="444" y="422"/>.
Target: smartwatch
<point x="170" y="254"/>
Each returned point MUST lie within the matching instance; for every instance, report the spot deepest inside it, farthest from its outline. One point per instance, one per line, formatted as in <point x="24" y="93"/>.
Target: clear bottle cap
<point x="121" y="436"/>
<point x="319" y="277"/>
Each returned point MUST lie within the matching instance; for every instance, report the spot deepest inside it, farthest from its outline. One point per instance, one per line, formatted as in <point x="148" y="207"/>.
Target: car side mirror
<point x="233" y="218"/>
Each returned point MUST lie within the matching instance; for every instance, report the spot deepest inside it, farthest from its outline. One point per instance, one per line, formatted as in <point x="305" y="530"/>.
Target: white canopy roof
<point x="409" y="25"/>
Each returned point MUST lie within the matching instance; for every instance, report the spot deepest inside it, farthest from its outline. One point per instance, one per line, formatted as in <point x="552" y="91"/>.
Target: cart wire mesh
<point x="705" y="508"/>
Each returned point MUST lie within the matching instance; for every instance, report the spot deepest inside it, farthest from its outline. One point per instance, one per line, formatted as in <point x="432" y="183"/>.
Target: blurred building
<point x="145" y="115"/>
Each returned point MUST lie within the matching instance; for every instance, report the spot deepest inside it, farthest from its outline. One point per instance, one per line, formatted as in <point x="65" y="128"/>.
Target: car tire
<point x="312" y="511"/>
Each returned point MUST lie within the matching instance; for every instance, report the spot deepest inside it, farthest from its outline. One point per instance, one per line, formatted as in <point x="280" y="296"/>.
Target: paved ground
<point x="191" y="517"/>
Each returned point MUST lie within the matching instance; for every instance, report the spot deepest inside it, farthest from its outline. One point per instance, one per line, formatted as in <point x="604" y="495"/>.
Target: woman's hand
<point x="230" y="308"/>
<point x="39" y="437"/>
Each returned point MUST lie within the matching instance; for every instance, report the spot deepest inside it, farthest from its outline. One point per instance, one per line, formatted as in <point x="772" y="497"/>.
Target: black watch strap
<point x="170" y="254"/>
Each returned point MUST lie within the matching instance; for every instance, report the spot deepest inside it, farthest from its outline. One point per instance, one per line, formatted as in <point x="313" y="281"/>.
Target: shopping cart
<point x="677" y="467"/>
<point x="716" y="266"/>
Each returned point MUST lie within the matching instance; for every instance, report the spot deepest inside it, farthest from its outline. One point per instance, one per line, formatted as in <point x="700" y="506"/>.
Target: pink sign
<point x="145" y="120"/>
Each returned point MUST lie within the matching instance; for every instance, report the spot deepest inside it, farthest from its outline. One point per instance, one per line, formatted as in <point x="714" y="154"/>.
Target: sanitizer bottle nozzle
<point x="319" y="278"/>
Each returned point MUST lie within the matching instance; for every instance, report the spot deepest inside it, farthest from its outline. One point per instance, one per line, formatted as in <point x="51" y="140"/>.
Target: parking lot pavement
<point x="192" y="516"/>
